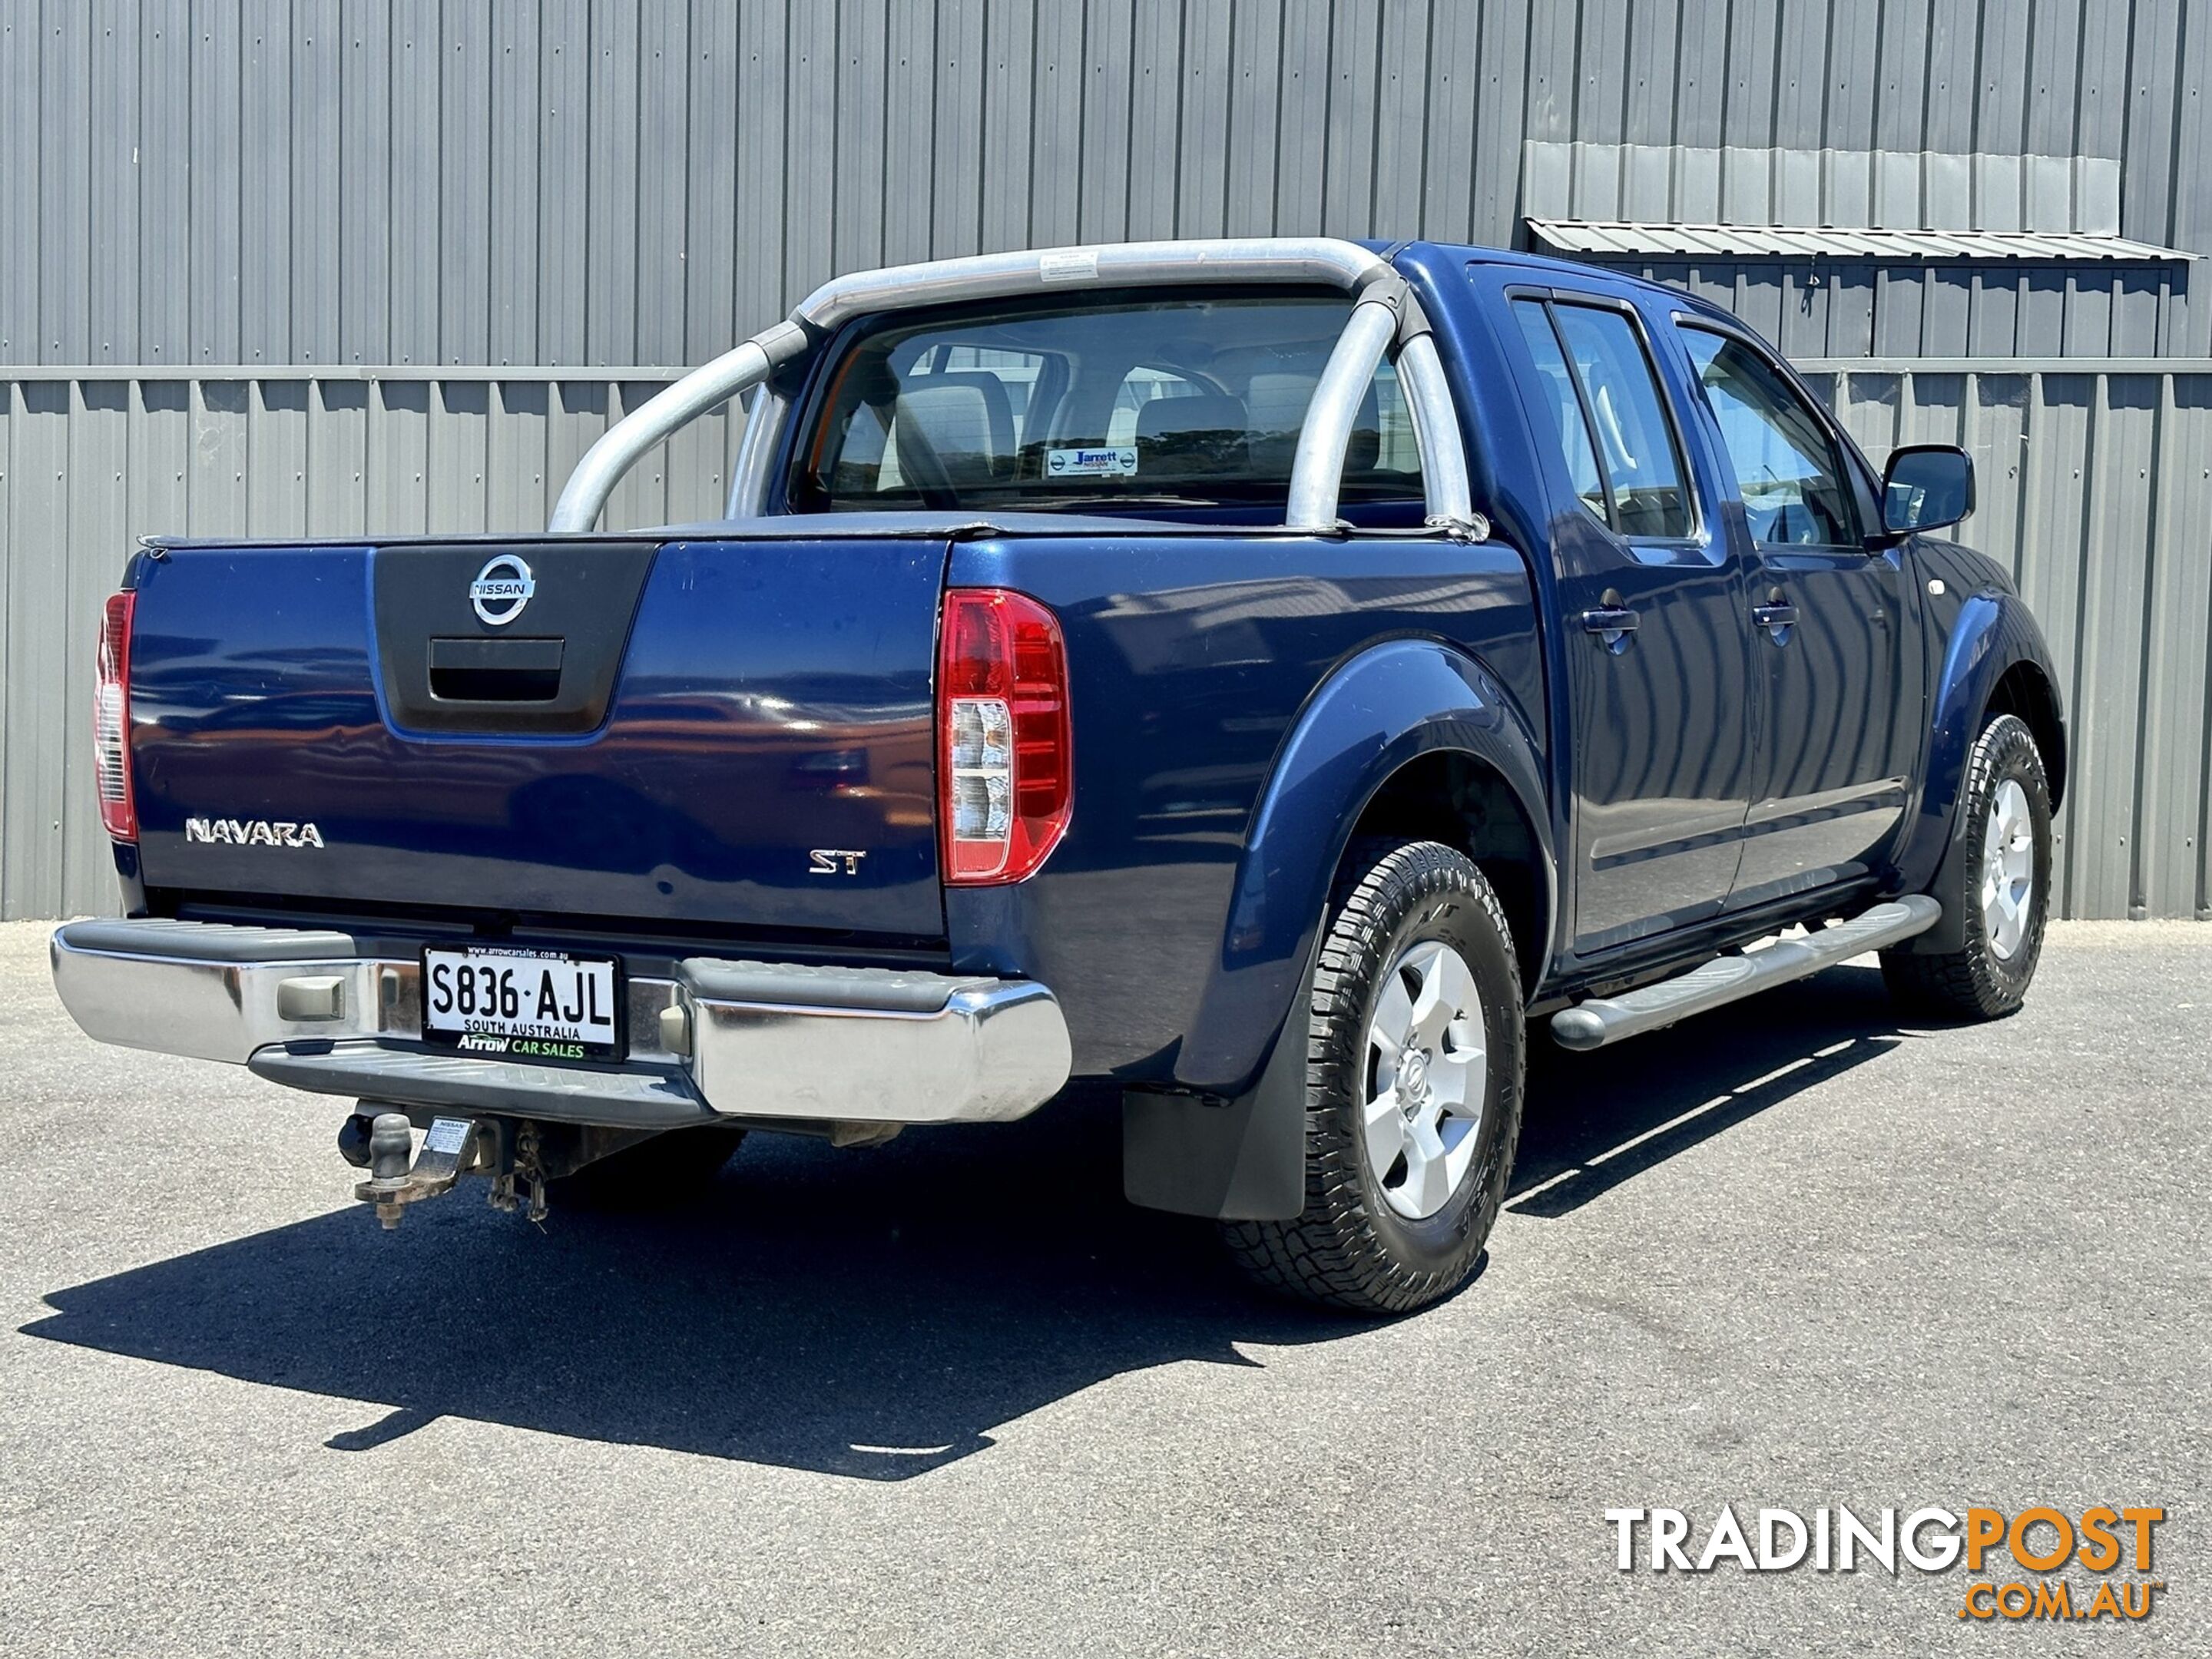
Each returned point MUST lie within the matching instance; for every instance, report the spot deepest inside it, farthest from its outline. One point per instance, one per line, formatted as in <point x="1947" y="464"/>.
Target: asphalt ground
<point x="951" y="1397"/>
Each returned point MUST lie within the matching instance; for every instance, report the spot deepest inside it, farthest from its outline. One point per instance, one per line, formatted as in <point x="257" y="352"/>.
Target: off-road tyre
<point x="1349" y="1250"/>
<point x="1974" y="983"/>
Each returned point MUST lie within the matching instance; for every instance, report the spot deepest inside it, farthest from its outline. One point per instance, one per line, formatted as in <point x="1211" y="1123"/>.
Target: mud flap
<point x="1242" y="1159"/>
<point x="1949" y="933"/>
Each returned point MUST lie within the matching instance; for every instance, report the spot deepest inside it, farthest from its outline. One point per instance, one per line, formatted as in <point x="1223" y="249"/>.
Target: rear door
<point x="1657" y="644"/>
<point x="1839" y="694"/>
<point x="727" y="733"/>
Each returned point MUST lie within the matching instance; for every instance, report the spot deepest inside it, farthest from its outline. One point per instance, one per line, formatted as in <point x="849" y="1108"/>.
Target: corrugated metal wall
<point x="198" y="192"/>
<point x="1679" y="184"/>
<point x="624" y="181"/>
<point x="2095" y="484"/>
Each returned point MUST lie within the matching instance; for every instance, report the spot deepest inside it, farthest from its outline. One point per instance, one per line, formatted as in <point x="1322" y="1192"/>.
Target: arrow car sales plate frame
<point x="524" y="1003"/>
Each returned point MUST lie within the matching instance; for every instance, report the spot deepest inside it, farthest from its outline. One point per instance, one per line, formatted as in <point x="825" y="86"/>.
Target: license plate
<point x="531" y="1005"/>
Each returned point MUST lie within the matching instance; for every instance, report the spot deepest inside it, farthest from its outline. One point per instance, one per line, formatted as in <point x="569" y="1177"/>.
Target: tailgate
<point x="668" y="732"/>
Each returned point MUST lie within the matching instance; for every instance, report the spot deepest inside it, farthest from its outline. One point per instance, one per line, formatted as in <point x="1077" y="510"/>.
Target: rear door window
<point x="1561" y="405"/>
<point x="1628" y="413"/>
<point x="1604" y="398"/>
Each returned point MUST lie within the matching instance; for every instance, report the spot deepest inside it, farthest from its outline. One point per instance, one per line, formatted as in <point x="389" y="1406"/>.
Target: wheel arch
<point x="1381" y="711"/>
<point x="2025" y="690"/>
<point x="1395" y="741"/>
<point x="1459" y="798"/>
<point x="1995" y="662"/>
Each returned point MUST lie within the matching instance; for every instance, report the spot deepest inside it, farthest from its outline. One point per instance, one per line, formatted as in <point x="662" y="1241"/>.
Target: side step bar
<point x="1601" y="1020"/>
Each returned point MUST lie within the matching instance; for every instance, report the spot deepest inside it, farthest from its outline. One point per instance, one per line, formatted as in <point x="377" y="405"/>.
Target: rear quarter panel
<point x="1190" y="660"/>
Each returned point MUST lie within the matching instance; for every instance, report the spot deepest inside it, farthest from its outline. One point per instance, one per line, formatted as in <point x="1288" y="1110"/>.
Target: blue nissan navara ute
<point x="1261" y="675"/>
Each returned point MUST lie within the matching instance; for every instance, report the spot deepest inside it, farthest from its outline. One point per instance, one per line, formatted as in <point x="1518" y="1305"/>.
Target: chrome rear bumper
<point x="713" y="1038"/>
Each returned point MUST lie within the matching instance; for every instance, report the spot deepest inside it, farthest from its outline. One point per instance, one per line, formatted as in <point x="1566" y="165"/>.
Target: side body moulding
<point x="1231" y="1143"/>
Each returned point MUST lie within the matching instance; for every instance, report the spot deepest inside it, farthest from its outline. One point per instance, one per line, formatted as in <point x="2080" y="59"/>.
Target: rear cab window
<point x="1142" y="402"/>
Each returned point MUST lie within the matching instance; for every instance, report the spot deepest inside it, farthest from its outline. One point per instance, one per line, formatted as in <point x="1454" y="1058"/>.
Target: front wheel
<point x="1413" y="1041"/>
<point x="1999" y="889"/>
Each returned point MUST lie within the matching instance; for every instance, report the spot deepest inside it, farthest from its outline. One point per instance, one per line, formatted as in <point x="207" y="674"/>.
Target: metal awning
<point x="1616" y="238"/>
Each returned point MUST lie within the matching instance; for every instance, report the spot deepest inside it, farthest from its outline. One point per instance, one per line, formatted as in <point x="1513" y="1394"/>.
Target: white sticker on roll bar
<point x="1080" y="265"/>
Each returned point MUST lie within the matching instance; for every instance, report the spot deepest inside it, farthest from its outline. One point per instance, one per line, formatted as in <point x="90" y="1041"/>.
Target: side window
<point x="1636" y="443"/>
<point x="1561" y="404"/>
<point x="1792" y="481"/>
<point x="1606" y="407"/>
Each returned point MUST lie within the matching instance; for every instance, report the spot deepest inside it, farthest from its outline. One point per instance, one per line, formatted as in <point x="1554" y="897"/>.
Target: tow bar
<point x="452" y="1146"/>
<point x="520" y="1155"/>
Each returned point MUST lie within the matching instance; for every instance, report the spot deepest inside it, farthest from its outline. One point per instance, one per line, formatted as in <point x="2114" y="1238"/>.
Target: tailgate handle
<point x="496" y="670"/>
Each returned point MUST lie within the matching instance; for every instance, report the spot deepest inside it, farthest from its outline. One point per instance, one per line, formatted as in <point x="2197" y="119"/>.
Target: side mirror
<point x="1926" y="487"/>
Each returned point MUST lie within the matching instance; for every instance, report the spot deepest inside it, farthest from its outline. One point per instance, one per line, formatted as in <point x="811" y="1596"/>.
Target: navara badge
<point x="502" y="588"/>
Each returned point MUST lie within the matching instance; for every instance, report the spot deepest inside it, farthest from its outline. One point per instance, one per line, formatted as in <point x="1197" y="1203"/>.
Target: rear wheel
<point x="1413" y="1043"/>
<point x="2001" y="888"/>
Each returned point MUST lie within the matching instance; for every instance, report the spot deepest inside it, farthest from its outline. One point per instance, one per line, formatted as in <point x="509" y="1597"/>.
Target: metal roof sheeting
<point x="1615" y="237"/>
<point x="1740" y="183"/>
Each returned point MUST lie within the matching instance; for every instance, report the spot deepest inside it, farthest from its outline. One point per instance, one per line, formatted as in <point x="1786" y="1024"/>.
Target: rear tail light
<point x="1005" y="771"/>
<point x="111" y="720"/>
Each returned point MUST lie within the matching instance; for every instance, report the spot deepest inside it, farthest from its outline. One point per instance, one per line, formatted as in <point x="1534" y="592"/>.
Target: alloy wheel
<point x="1428" y="1076"/>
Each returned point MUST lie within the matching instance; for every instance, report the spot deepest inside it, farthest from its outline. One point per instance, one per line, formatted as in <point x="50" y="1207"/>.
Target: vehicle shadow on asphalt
<point x="867" y="1313"/>
<point x="871" y="1314"/>
<point x="1596" y="1120"/>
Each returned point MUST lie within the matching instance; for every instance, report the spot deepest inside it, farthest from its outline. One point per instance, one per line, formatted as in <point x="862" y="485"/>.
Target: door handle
<point x="1777" y="616"/>
<point x="1609" y="619"/>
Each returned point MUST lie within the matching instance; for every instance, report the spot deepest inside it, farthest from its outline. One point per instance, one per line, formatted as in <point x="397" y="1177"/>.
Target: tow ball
<point x="515" y="1155"/>
<point x="452" y="1146"/>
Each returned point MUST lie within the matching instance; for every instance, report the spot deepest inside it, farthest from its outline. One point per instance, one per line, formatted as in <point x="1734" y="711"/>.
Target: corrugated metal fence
<point x="91" y="459"/>
<point x="2096" y="483"/>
